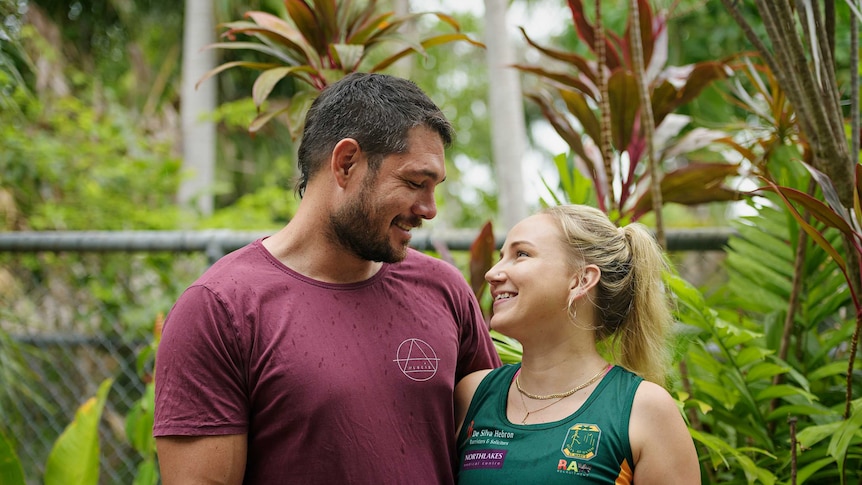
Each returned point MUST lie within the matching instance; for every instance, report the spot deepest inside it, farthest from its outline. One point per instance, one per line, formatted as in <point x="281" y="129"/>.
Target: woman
<point x="568" y="279"/>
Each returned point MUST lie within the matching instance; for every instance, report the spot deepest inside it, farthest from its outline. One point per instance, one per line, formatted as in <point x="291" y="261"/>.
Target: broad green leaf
<point x="296" y="110"/>
<point x="782" y="412"/>
<point x="705" y="360"/>
<point x="721" y="393"/>
<point x="810" y="469"/>
<point x="75" y="455"/>
<point x="733" y="335"/>
<point x="139" y="423"/>
<point x="267" y="80"/>
<point x="274" y="110"/>
<point x="508" y="349"/>
<point x="723" y="450"/>
<point x="765" y="370"/>
<point x="784" y="390"/>
<point x="831" y="369"/>
<point x="749" y="355"/>
<point x="284" y="34"/>
<point x="147" y="473"/>
<point x="11" y="472"/>
<point x="812" y="435"/>
<point x="844" y="436"/>
<point x="702" y="406"/>
<point x="576" y="188"/>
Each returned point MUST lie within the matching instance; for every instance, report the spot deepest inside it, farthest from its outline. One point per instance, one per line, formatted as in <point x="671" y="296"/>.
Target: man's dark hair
<point x="376" y="110"/>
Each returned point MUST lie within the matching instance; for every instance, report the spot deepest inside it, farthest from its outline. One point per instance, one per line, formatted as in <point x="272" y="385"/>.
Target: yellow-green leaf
<point x="75" y="455"/>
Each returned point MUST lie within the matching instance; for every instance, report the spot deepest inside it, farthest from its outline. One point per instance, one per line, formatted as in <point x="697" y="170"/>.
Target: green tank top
<point x="590" y="446"/>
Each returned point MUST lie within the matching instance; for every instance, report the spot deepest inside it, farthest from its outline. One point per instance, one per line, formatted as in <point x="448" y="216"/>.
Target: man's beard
<point x="354" y="227"/>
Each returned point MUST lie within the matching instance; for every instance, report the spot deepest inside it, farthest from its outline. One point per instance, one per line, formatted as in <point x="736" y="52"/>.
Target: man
<point x="329" y="351"/>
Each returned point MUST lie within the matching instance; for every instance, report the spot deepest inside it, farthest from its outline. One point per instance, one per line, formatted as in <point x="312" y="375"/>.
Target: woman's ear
<point x="585" y="280"/>
<point x="345" y="160"/>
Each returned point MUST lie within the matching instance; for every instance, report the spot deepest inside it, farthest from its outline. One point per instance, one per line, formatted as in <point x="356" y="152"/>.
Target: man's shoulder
<point x="246" y="262"/>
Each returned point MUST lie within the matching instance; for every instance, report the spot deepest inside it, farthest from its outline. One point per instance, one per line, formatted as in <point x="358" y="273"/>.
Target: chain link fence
<point x="78" y="308"/>
<point x="72" y="320"/>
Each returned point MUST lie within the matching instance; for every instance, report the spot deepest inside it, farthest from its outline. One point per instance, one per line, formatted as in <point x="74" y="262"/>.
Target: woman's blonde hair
<point x="632" y="304"/>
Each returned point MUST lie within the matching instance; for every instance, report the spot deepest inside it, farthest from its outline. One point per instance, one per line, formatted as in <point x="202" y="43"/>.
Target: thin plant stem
<point x="647" y="120"/>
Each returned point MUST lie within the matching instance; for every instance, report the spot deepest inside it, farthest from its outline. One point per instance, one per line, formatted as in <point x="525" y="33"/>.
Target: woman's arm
<point x="661" y="444"/>
<point x="464" y="391"/>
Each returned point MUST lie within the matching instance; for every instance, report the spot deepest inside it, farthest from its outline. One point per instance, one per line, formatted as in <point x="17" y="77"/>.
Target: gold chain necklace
<point x="523" y="403"/>
<point x="560" y="395"/>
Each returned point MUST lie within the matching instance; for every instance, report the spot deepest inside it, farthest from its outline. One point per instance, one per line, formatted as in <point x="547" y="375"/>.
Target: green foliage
<point x="270" y="207"/>
<point x="68" y="165"/>
<point x="744" y="393"/>
<point x="317" y="42"/>
<point x="75" y="456"/>
<point x="11" y="472"/>
<point x="139" y="420"/>
<point x="573" y="188"/>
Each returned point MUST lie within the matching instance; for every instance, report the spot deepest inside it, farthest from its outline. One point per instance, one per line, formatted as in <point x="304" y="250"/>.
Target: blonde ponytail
<point x="632" y="306"/>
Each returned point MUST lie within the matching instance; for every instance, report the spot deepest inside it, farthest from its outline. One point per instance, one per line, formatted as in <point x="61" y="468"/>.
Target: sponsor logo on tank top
<point x="490" y="457"/>
<point x="580" y="445"/>
<point x="417" y="360"/>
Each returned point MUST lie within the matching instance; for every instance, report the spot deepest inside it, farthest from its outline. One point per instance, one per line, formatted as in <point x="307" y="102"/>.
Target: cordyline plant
<point x="317" y="43"/>
<point x="611" y="144"/>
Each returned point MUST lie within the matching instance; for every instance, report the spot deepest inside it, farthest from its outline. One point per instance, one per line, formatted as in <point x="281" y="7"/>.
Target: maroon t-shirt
<point x="334" y="383"/>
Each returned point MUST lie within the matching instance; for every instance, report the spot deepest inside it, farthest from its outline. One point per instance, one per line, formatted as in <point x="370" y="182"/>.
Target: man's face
<point x="375" y="225"/>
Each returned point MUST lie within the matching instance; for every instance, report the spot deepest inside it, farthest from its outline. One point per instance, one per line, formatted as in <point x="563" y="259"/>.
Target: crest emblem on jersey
<point x="582" y="441"/>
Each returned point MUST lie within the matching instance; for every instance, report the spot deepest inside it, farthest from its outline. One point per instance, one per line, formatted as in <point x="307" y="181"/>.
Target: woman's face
<point x="532" y="281"/>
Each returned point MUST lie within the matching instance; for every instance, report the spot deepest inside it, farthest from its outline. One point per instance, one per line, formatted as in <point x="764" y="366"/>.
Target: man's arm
<point x="193" y="460"/>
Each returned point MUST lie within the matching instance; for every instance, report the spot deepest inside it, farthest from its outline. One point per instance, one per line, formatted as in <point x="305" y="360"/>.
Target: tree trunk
<point x="198" y="134"/>
<point x="508" y="132"/>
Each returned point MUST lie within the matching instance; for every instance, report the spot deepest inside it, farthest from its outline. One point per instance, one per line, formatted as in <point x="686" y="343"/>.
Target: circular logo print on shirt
<point x="416" y="359"/>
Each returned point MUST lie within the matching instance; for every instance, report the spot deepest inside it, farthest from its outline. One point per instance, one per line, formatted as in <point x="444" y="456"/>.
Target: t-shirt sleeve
<point x="477" y="350"/>
<point x="200" y="379"/>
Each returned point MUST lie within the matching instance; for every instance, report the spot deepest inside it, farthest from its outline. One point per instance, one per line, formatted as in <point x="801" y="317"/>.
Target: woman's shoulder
<point x="653" y="405"/>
